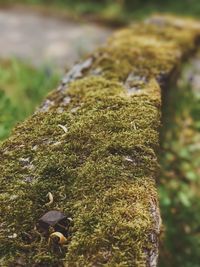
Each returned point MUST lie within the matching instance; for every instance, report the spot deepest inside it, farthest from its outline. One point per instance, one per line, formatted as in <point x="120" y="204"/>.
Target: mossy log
<point x="90" y="152"/>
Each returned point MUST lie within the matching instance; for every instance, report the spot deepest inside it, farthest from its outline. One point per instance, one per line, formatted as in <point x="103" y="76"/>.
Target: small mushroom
<point x="55" y="220"/>
<point x="57" y="238"/>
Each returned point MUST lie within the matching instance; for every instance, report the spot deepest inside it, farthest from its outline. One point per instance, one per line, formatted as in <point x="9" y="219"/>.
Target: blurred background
<point x="41" y="39"/>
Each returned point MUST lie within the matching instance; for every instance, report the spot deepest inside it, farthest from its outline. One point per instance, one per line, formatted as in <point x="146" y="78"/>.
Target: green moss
<point x="100" y="168"/>
<point x="101" y="164"/>
<point x="147" y="50"/>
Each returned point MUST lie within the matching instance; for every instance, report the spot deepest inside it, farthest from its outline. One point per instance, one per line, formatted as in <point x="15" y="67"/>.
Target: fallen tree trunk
<point x="90" y="152"/>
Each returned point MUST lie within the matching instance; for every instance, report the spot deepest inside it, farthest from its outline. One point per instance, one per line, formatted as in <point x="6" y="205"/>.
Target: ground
<point x="47" y="40"/>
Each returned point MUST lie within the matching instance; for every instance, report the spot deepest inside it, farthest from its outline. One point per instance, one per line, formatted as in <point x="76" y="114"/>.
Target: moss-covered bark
<point x="92" y="145"/>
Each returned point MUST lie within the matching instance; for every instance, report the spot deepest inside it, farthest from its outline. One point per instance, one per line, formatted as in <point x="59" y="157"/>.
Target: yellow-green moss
<point x="101" y="170"/>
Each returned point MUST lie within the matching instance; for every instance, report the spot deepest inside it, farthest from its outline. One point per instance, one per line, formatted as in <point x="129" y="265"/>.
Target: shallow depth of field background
<point x="41" y="39"/>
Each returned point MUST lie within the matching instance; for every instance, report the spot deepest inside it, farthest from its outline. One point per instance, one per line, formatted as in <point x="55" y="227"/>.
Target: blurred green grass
<point x="179" y="183"/>
<point x="22" y="88"/>
<point x="115" y="10"/>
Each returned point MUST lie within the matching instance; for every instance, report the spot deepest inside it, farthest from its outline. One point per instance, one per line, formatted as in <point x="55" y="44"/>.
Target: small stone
<point x="55" y="219"/>
<point x="52" y="217"/>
